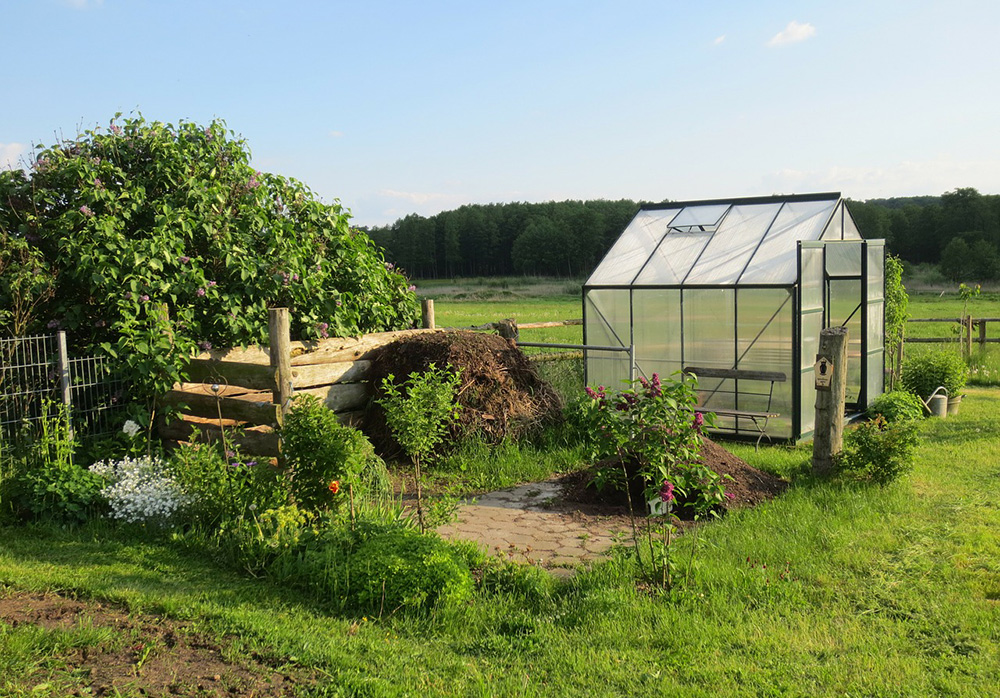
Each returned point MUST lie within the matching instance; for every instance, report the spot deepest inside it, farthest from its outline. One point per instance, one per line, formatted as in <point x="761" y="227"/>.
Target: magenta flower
<point x="411" y="288"/>
<point x="667" y="491"/>
<point x="205" y="346"/>
<point x="144" y="298"/>
<point x="699" y="419"/>
<point x="200" y="292"/>
<point x="730" y="495"/>
<point x="183" y="259"/>
<point x="211" y="284"/>
<point x="85" y="210"/>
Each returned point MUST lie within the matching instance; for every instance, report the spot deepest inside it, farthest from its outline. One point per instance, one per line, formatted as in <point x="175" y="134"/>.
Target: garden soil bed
<point x="149" y="655"/>
<point x="749" y="486"/>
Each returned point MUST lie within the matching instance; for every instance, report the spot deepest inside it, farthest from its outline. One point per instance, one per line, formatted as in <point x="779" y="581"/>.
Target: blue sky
<point x="403" y="107"/>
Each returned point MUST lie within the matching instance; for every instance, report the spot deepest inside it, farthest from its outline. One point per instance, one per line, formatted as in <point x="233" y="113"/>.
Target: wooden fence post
<point x="427" y="314"/>
<point x="830" y="397"/>
<point x="982" y="335"/>
<point x="279" y="348"/>
<point x="968" y="336"/>
<point x="65" y="386"/>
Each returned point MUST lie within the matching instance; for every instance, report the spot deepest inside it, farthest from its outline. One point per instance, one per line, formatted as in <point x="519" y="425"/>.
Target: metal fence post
<point x="631" y="362"/>
<point x="65" y="386"/>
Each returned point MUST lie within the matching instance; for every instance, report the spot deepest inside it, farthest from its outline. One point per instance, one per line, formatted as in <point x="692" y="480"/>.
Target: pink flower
<point x="730" y="495"/>
<point x="667" y="491"/>
<point x="85" y="210"/>
<point x="183" y="259"/>
<point x="200" y="292"/>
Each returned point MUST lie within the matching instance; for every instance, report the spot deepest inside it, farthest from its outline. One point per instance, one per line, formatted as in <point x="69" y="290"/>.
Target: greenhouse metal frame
<point x="745" y="286"/>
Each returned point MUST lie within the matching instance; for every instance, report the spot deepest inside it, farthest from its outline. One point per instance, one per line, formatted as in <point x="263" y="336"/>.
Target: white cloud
<point x="335" y="134"/>
<point x="10" y="155"/>
<point x="719" y="40"/>
<point x="792" y="34"/>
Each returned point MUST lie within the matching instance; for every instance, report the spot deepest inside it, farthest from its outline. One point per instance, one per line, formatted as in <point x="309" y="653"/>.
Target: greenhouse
<point x="736" y="291"/>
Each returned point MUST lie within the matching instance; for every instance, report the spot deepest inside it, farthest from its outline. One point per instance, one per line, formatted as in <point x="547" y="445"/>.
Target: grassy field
<point x="866" y="592"/>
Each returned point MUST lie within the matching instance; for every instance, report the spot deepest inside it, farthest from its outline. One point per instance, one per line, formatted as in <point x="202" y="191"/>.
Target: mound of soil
<point x="749" y="485"/>
<point x="501" y="394"/>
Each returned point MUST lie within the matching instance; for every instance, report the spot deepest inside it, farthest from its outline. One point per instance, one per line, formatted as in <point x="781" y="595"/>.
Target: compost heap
<point x="501" y="394"/>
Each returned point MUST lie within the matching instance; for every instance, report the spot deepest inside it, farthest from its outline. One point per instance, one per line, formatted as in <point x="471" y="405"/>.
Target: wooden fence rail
<point x="965" y="337"/>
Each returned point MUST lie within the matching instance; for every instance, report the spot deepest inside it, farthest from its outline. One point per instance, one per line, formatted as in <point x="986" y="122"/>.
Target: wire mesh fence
<point x="34" y="374"/>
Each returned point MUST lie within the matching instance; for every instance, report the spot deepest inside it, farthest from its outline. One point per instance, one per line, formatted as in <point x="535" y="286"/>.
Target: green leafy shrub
<point x="879" y="451"/>
<point x="924" y="373"/>
<point x="378" y="568"/>
<point x="896" y="405"/>
<point x="326" y="457"/>
<point x="44" y="480"/>
<point x="225" y="487"/>
<point x="418" y="412"/>
<point x="144" y="239"/>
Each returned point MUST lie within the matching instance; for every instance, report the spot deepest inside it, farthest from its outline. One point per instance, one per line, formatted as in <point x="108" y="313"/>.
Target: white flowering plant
<point x="141" y="490"/>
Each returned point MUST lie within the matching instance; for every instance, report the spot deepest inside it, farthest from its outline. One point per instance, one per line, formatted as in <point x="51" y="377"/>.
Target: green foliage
<point x="896" y="406"/>
<point x="322" y="451"/>
<point x="924" y="373"/>
<point x="896" y="312"/>
<point x="108" y="229"/>
<point x="225" y="487"/>
<point x="378" y="568"/>
<point x="419" y="410"/>
<point x="879" y="451"/>
<point x="42" y="479"/>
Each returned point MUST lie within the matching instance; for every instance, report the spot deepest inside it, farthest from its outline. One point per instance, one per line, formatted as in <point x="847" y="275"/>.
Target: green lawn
<point x="885" y="592"/>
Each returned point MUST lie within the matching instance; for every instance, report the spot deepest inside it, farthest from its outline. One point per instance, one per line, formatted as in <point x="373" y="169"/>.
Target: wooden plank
<point x="255" y="408"/>
<point x="343" y="397"/>
<point x="705" y="372"/>
<point x="330" y="374"/>
<point x="314" y="352"/>
<point x="252" y="376"/>
<point x="257" y="440"/>
<point x="540" y="325"/>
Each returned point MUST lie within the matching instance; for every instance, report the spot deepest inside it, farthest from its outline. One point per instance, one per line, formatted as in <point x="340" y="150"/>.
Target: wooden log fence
<point x="965" y="337"/>
<point x="243" y="393"/>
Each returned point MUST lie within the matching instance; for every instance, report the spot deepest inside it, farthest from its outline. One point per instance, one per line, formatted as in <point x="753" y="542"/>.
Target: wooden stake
<point x="279" y="341"/>
<point x="427" y="314"/>
<point x="828" y="440"/>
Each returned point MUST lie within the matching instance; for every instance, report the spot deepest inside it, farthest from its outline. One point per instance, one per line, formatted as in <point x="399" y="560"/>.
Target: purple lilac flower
<point x="339" y="303"/>
<point x="205" y="346"/>
<point x="85" y="210"/>
<point x="116" y="129"/>
<point x="322" y="328"/>
<point x="250" y="463"/>
<point x="729" y="495"/>
<point x="200" y="292"/>
<point x="699" y="419"/>
<point x="144" y="298"/>
<point x="295" y="277"/>
<point x="667" y="491"/>
<point x="411" y="288"/>
<point x="53" y="324"/>
<point x="211" y="284"/>
<point x="390" y="266"/>
<point x="183" y="259"/>
<point x="98" y="183"/>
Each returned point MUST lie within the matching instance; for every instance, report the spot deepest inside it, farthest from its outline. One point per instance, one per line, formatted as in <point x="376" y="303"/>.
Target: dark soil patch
<point x="749" y="485"/>
<point x="501" y="393"/>
<point x="149" y="655"/>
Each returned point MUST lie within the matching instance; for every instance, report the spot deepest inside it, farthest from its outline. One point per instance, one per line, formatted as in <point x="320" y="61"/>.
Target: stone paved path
<point x="516" y="522"/>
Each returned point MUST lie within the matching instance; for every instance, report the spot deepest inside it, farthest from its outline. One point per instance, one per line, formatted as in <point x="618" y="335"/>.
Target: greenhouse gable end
<point x="744" y="286"/>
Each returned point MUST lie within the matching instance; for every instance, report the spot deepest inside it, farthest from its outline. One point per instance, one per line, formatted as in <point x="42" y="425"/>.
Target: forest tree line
<point x="959" y="231"/>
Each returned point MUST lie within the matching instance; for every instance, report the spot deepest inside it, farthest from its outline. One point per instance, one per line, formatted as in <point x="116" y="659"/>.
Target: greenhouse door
<point x="846" y="307"/>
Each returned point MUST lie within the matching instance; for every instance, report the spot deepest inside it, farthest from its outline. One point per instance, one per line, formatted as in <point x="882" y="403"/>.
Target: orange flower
<point x="335" y="486"/>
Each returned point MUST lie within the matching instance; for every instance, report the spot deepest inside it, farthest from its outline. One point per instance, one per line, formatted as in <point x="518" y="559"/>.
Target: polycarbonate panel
<point x="807" y="406"/>
<point x="732" y="245"/>
<point x="606" y="319"/>
<point x="876" y="376"/>
<point x="845" y="295"/>
<point x="876" y="326"/>
<point x="672" y="260"/>
<point x="630" y="252"/>
<point x="765" y="343"/>
<point x="812" y="325"/>
<point x="709" y="333"/>
<point x="811" y="281"/>
<point x="657" y="331"/>
<point x="774" y="261"/>
<point x="844" y="258"/>
<point x="876" y="271"/>
<point x="706" y="215"/>
<point x="851" y="231"/>
<point x="835" y="231"/>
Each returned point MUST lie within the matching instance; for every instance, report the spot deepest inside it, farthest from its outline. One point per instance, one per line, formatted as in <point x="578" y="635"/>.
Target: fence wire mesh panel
<point x="27" y="379"/>
<point x="30" y="377"/>
<point x="563" y="371"/>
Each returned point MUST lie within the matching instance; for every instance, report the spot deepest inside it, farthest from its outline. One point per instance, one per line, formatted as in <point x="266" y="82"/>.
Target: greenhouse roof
<point x="722" y="242"/>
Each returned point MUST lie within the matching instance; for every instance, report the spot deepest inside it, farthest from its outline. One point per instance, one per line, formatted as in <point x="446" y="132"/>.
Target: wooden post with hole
<point x="427" y="314"/>
<point x="828" y="440"/>
<point x="279" y="348"/>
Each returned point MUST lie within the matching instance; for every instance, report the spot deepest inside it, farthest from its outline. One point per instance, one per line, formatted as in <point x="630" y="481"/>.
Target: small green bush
<point x="327" y="456"/>
<point x="923" y="374"/>
<point x="896" y="405"/>
<point x="879" y="451"/>
<point x="377" y="568"/>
